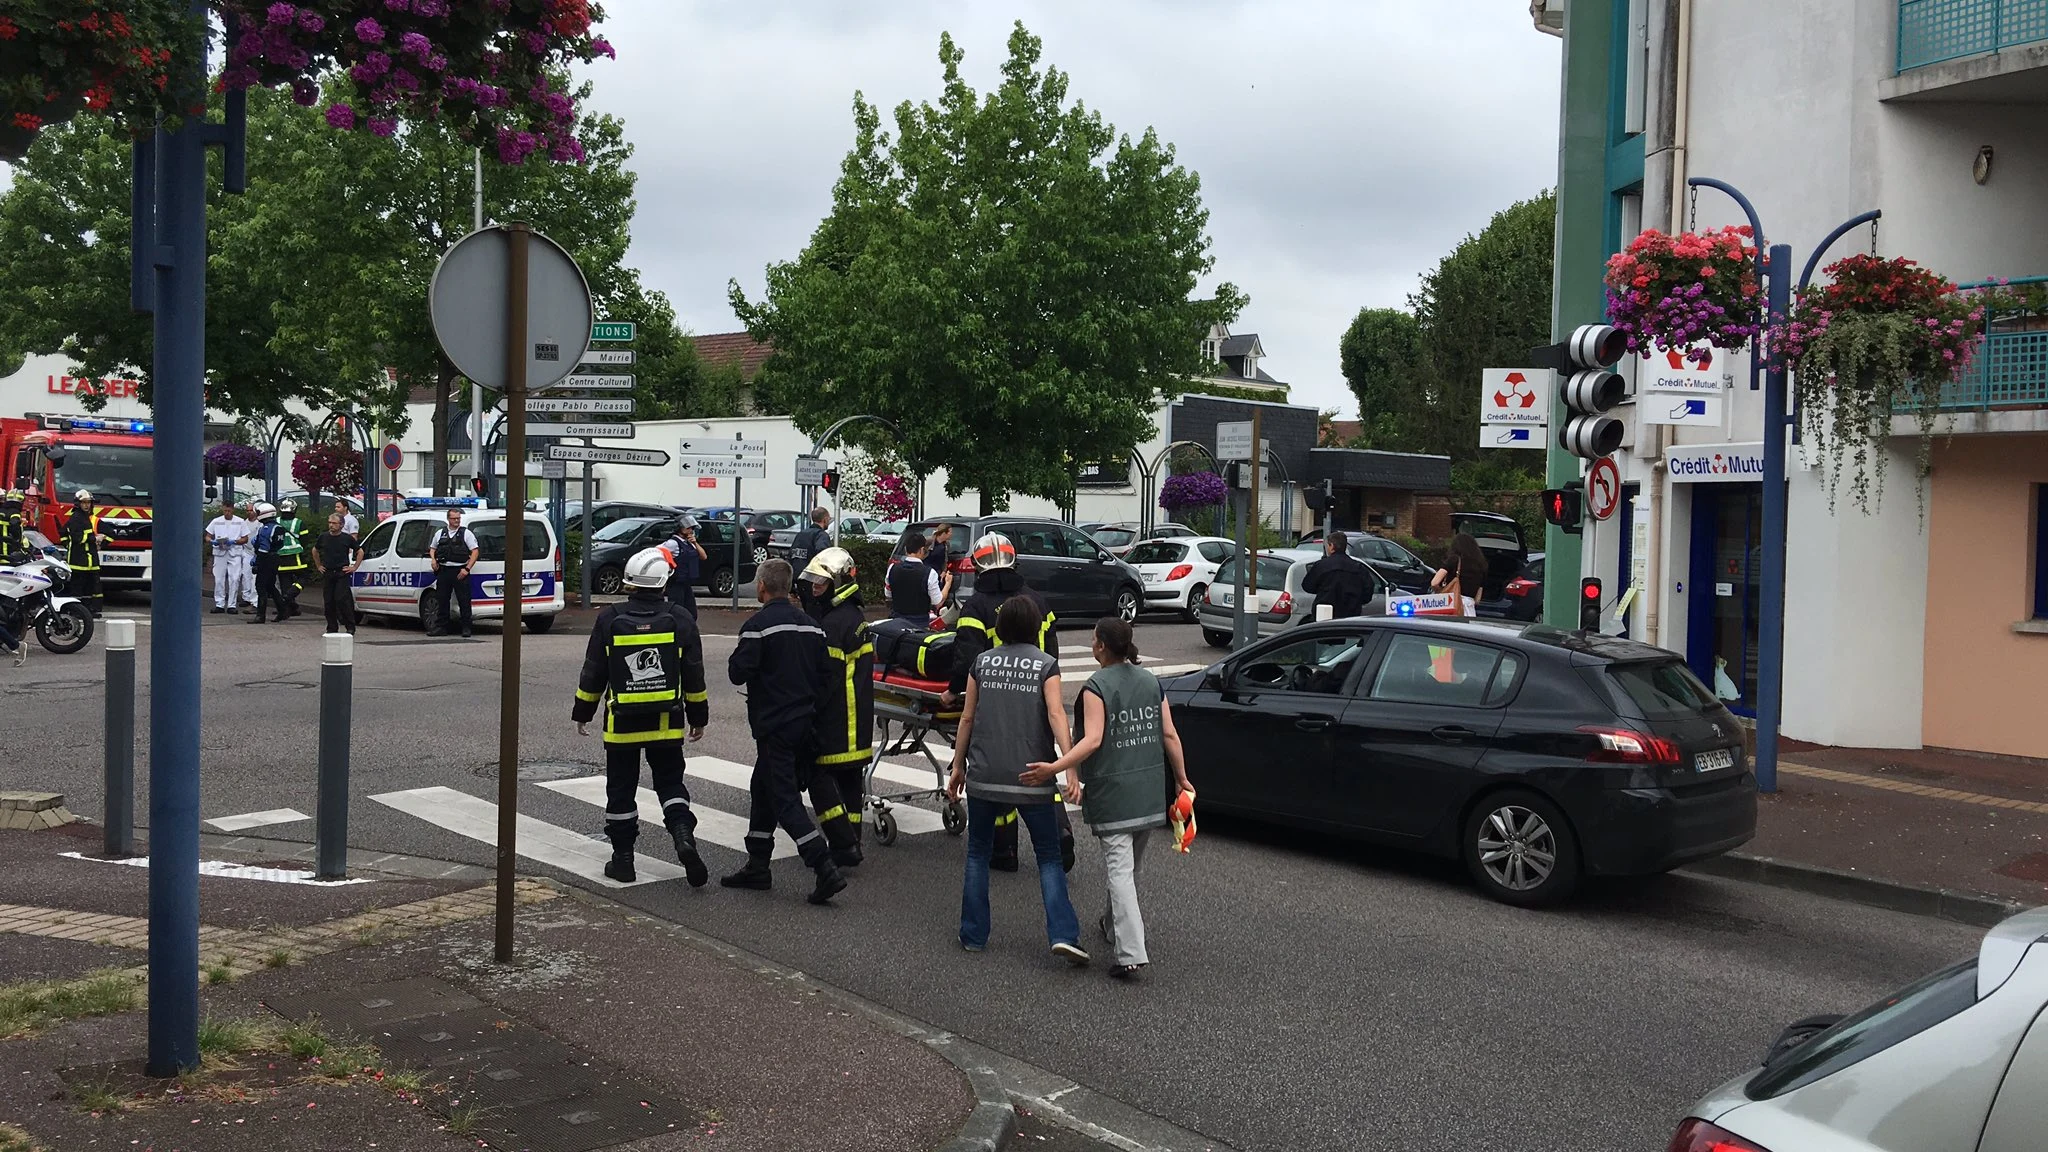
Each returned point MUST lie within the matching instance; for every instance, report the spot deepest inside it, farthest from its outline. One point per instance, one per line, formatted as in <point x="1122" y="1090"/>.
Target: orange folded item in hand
<point x="1182" y="815"/>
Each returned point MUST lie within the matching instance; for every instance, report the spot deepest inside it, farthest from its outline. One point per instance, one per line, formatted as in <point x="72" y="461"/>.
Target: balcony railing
<point x="1931" y="31"/>
<point x="2010" y="368"/>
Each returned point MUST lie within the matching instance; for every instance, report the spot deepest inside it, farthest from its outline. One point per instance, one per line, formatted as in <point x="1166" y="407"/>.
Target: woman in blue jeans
<point x="1013" y="718"/>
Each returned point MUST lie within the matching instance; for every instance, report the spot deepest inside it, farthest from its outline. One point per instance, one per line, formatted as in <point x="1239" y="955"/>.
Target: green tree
<point x="1007" y="280"/>
<point x="1485" y="305"/>
<point x="318" y="276"/>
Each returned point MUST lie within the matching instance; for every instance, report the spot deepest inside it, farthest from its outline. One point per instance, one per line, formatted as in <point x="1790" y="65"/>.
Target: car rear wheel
<point x="1216" y="639"/>
<point x="1127" y="602"/>
<point x="539" y="624"/>
<point x="608" y="580"/>
<point x="1193" y="611"/>
<point x="721" y="581"/>
<point x="1520" y="850"/>
<point x="430" y="612"/>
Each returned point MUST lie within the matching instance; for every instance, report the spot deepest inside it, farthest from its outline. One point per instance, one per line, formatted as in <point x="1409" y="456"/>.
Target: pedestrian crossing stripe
<point x="537" y="840"/>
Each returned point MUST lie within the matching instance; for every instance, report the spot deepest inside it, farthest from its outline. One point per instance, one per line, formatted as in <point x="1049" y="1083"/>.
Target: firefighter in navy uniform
<point x="780" y="659"/>
<point x="288" y="544"/>
<point x="646" y="663"/>
<point x="13" y="530"/>
<point x="996" y="579"/>
<point x="82" y="542"/>
<point x="844" y="736"/>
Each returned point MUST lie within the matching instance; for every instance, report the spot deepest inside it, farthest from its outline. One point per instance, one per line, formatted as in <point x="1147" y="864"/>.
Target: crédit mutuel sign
<point x="1715" y="463"/>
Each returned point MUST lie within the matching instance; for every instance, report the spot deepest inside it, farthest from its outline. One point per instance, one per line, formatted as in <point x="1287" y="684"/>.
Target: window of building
<point x="2041" y="551"/>
<point x="1636" y="69"/>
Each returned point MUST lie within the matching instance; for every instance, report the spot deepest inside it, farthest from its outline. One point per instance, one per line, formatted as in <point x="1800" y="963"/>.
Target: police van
<point x="396" y="577"/>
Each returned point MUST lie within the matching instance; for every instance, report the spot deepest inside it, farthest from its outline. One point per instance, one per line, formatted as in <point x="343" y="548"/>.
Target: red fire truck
<point x="50" y="457"/>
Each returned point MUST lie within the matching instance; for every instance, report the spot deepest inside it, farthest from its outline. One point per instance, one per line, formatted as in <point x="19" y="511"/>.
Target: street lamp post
<point x="1773" y="266"/>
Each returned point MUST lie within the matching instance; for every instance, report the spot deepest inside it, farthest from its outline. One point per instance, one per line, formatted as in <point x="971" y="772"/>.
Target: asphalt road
<point x="1303" y="994"/>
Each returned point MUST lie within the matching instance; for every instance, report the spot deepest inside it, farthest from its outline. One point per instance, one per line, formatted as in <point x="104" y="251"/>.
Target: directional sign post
<point x="594" y="429"/>
<point x="1234" y="440"/>
<point x="579" y="453"/>
<point x="607" y="356"/>
<point x="594" y="383"/>
<point x="608" y="405"/>
<point x="613" y="331"/>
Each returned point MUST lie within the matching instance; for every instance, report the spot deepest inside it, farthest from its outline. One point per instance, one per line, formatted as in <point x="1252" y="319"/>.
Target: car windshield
<point x="1903" y="1016"/>
<point x="1488" y="531"/>
<point x="1157" y="552"/>
<point x="620" y="529"/>
<point x="1113" y="537"/>
<point x="1662" y="689"/>
<point x="1271" y="573"/>
<point x="115" y="474"/>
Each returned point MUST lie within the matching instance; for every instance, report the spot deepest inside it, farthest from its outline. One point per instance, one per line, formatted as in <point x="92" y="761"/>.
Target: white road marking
<point x="537" y="840"/>
<point x="229" y="871"/>
<point x="713" y="826"/>
<point x="258" y="819"/>
<point x="910" y="820"/>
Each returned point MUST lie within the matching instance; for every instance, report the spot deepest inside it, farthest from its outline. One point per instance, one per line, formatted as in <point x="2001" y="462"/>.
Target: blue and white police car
<point x="396" y="577"/>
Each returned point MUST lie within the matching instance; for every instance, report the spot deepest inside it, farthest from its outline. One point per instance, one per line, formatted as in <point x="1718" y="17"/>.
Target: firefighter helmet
<point x="265" y="510"/>
<point x="82" y="496"/>
<point x="287" y="507"/>
<point x="834" y="564"/>
<point x="12" y="498"/>
<point x="994" y="551"/>
<point x="649" y="568"/>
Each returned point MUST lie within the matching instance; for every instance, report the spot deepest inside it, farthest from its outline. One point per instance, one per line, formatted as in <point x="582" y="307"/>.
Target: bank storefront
<point x="1717" y="508"/>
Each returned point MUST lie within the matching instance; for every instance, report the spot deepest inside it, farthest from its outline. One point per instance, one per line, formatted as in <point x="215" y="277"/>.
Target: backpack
<point x="907" y="646"/>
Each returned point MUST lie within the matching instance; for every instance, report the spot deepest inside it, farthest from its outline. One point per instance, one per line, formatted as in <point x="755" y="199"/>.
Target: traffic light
<point x="830" y="481"/>
<point x="1587" y="388"/>
<point x="1589" y="604"/>
<point x="1318" y="499"/>
<point x="1564" y="507"/>
<point x="477" y="485"/>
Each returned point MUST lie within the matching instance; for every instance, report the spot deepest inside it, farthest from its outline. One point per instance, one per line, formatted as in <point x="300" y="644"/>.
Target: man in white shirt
<point x="225" y="534"/>
<point x="349" y="523"/>
<point x="244" y="574"/>
<point x="454" y="550"/>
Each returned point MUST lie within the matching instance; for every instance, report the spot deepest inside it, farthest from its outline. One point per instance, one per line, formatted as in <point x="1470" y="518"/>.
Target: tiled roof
<point x="740" y="348"/>
<point x="1240" y="344"/>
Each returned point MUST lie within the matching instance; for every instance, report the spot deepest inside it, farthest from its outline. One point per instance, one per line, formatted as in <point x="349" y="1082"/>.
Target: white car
<point x="1958" y="1060"/>
<point x="396" y="577"/>
<point x="1177" y="572"/>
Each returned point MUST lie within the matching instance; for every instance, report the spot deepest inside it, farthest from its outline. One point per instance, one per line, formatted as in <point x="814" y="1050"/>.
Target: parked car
<point x="850" y="528"/>
<point x="1400" y="567"/>
<point x="1521" y="597"/>
<point x="1120" y="538"/>
<point x="396" y="576"/>
<point x="1078" y="578"/>
<point x="1534" y="755"/>
<point x="887" y="531"/>
<point x="1178" y="572"/>
<point x="1500" y="538"/>
<point x="622" y="539"/>
<point x="1281" y="599"/>
<point x="1954" y="1060"/>
<point x="604" y="513"/>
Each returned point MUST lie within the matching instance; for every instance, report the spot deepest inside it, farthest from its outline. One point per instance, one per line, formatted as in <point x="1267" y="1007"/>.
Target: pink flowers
<point x="369" y="31"/>
<point x="1685" y="289"/>
<point x="341" y="116"/>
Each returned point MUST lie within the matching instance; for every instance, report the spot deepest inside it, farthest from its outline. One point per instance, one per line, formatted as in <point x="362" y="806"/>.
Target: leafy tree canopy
<point x="1007" y="280"/>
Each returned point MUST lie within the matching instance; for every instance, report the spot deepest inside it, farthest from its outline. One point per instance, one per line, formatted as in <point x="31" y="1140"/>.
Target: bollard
<point x="120" y="737"/>
<point x="337" y="682"/>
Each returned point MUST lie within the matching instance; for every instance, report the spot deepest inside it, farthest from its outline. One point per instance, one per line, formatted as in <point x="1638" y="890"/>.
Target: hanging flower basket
<point x="1882" y="336"/>
<point x="231" y="459"/>
<point x="1692" y="288"/>
<point x="892" y="497"/>
<point x="113" y="58"/>
<point x="490" y="69"/>
<point x="1192" y="490"/>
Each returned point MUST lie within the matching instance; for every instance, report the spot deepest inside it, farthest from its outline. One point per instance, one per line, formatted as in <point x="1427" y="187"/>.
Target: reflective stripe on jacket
<point x="846" y="691"/>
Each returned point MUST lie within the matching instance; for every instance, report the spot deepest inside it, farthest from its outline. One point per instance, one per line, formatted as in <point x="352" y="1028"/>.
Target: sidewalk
<point x="373" y="1015"/>
<point x="1928" y="820"/>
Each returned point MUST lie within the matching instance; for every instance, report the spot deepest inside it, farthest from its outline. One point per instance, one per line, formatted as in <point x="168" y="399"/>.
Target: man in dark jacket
<point x="996" y="579"/>
<point x="810" y="540"/>
<point x="844" y="738"/>
<point x="913" y="584"/>
<point x="646" y="662"/>
<point x="1340" y="580"/>
<point x="82" y="540"/>
<point x="780" y="659"/>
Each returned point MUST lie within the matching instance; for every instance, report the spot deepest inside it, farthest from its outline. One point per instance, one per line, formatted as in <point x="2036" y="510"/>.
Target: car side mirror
<point x="54" y="453"/>
<point x="1213" y="678"/>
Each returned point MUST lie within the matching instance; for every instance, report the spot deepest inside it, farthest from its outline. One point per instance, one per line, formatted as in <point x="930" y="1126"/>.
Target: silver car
<point x="1281" y="602"/>
<point x="1958" y="1060"/>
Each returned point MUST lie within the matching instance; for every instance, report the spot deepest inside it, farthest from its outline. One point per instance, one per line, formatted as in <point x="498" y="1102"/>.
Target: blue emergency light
<point x="416" y="502"/>
<point x="99" y="424"/>
<point x="1404" y="608"/>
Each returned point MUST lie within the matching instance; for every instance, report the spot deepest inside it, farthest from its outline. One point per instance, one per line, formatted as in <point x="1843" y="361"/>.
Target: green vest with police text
<point x="1123" y="785"/>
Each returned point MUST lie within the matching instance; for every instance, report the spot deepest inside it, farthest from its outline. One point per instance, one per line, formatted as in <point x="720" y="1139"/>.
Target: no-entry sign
<point x="1603" y="488"/>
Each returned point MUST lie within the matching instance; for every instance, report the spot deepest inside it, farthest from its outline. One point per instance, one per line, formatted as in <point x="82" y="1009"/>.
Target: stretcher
<point x="908" y="713"/>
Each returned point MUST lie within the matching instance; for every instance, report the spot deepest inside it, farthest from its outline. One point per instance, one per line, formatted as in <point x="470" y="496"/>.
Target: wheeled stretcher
<point x="907" y="715"/>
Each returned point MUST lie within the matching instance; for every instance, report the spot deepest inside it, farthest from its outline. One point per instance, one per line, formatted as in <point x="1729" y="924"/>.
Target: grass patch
<point x="223" y="1039"/>
<point x="304" y="1039"/>
<point x="278" y="959"/>
<point x="99" y="1098"/>
<point x="13" y="1139"/>
<point x="463" y="1121"/>
<point x="410" y="1081"/>
<point x="220" y="973"/>
<point x="35" y="1004"/>
<point x="345" y="1060"/>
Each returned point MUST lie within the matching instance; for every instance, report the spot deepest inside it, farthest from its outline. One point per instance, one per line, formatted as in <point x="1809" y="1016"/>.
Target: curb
<point x="1914" y="900"/>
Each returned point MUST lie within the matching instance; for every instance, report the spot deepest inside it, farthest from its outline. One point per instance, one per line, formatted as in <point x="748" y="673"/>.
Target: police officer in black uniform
<point x="844" y="737"/>
<point x="780" y="659"/>
<point x="814" y="538"/>
<point x="687" y="556"/>
<point x="996" y="579"/>
<point x="646" y="662"/>
<point x="913" y="584"/>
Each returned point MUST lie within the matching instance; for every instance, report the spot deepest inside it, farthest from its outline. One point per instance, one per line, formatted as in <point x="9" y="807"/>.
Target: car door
<point x="1259" y="737"/>
<point x="1416" y="729"/>
<point x="1041" y="560"/>
<point x="1097" y="575"/>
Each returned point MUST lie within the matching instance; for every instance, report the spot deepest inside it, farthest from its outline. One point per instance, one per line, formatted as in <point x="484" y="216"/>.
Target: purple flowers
<point x="415" y="45"/>
<point x="1192" y="490"/>
<point x="382" y="125"/>
<point x="341" y="116"/>
<point x="369" y="31"/>
<point x="282" y="14"/>
<point x="603" y="47"/>
<point x="311" y="21"/>
<point x="304" y="93"/>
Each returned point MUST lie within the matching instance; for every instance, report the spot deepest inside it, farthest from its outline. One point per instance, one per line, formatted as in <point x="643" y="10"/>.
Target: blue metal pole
<point x="178" y="375"/>
<point x="1770" y="676"/>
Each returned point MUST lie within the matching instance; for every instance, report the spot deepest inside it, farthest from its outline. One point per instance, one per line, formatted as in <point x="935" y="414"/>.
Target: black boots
<point x="686" y="854"/>
<point x="620" y="866"/>
<point x="754" y="875"/>
<point x="830" y="882"/>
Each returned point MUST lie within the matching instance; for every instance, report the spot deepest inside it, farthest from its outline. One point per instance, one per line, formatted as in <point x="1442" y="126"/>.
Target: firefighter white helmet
<point x="994" y="551"/>
<point x="82" y="496"/>
<point x="834" y="564"/>
<point x="266" y="511"/>
<point x="649" y="568"/>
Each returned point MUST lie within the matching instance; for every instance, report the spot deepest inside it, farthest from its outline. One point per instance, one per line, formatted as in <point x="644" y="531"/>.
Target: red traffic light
<point x="829" y="481"/>
<point x="1564" y="507"/>
<point x="476" y="485"/>
<point x="1590" y="589"/>
<point x="1589" y="604"/>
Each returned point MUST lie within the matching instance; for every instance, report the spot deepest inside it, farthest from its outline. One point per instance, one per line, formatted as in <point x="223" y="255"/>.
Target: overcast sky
<point x="1344" y="145"/>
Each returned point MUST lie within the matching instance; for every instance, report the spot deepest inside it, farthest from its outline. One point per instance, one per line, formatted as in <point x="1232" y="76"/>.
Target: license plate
<point x="1714" y="761"/>
<point x="120" y="560"/>
<point x="1152" y="578"/>
<point x="1229" y="599"/>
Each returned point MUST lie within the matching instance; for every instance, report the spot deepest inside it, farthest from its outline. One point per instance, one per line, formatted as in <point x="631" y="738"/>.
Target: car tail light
<point x="1696" y="1135"/>
<point x="1623" y="746"/>
<point x="1285" y="604"/>
<point x="1209" y="594"/>
<point x="1520" y="586"/>
<point x="1180" y="571"/>
<point x="964" y="566"/>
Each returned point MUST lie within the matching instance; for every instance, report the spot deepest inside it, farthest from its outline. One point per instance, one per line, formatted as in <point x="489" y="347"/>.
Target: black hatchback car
<point x="1534" y="755"/>
<point x="622" y="539"/>
<point x="1079" y="579"/>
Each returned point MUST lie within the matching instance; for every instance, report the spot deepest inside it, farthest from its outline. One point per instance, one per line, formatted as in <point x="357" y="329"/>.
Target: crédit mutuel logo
<point x="1718" y="464"/>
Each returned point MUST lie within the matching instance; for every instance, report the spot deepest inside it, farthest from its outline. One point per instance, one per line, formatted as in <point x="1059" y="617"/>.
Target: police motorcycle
<point x="31" y="587"/>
